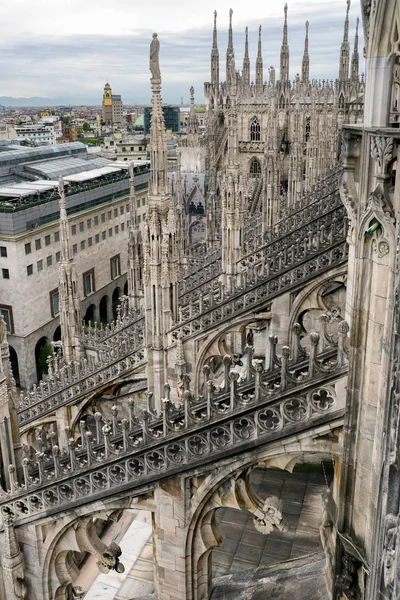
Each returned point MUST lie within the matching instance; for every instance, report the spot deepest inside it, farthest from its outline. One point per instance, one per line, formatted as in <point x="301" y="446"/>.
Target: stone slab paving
<point x="244" y="548"/>
<point x="298" y="579"/>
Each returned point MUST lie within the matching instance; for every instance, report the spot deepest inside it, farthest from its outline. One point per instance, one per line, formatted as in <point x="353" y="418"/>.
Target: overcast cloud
<point x="67" y="50"/>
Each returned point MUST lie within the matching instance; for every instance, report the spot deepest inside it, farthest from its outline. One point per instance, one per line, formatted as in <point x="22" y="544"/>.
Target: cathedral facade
<point x="234" y="432"/>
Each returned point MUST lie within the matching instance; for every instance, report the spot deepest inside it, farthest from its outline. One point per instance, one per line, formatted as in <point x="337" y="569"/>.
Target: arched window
<point x="255" y="167"/>
<point x="255" y="131"/>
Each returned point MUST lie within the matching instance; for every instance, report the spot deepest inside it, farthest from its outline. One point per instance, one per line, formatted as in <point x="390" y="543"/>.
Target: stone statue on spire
<point x="154" y="60"/>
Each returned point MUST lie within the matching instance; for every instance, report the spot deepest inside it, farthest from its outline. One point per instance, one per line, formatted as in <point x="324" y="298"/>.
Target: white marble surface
<point x="132" y="543"/>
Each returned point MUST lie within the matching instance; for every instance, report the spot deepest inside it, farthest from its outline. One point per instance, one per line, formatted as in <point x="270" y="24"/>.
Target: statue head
<point x="154" y="35"/>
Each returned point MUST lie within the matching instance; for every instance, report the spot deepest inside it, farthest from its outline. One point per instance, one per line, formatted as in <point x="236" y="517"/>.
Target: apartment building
<point x="97" y="193"/>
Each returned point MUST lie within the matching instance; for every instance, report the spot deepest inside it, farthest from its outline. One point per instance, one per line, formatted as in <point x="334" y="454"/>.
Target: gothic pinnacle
<point x="355" y="60"/>
<point x="215" y="56"/>
<point x="259" y="63"/>
<point x="305" y="68"/>
<point x="284" y="66"/>
<point x="215" y="43"/>
<point x="246" y="61"/>
<point x="345" y="49"/>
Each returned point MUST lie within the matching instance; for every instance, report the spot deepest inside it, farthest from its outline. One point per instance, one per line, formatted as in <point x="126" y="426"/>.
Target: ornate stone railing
<point x="251" y="146"/>
<point x="264" y="276"/>
<point x="117" y="356"/>
<point x="303" y="220"/>
<point x="128" y="451"/>
<point x="91" y="336"/>
<point x="307" y="210"/>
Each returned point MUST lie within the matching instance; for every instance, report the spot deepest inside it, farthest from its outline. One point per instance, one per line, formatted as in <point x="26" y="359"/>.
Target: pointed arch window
<point x="255" y="130"/>
<point x="255" y="167"/>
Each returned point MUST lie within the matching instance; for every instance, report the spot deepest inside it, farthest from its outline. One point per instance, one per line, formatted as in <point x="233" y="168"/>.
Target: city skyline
<point x="73" y="67"/>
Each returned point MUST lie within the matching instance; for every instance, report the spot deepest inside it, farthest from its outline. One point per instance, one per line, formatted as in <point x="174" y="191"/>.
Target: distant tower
<point x="107" y="112"/>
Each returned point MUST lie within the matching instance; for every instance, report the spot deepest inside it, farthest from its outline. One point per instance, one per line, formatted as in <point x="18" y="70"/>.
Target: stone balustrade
<point x="265" y="278"/>
<point x="295" y="393"/>
<point x="118" y="355"/>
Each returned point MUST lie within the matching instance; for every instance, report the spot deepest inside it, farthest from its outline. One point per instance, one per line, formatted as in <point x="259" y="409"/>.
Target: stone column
<point x="169" y="539"/>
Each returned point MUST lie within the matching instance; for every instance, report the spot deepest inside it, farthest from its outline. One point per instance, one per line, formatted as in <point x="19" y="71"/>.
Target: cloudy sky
<point x="68" y="49"/>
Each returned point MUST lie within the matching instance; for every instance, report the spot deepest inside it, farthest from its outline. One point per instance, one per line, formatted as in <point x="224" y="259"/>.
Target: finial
<point x="192" y="94"/>
<point x="131" y="170"/>
<point x="230" y="17"/>
<point x="307" y="26"/>
<point x="285" y="9"/>
<point x="215" y="44"/>
<point x="154" y="57"/>
<point x="259" y="32"/>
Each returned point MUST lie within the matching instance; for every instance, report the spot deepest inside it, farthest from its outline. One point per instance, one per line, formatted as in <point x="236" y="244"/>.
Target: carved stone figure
<point x="154" y="59"/>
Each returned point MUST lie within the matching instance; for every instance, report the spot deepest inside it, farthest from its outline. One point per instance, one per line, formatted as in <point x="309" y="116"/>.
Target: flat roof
<point x="28" y="188"/>
<point x="87" y="175"/>
<point x="62" y="167"/>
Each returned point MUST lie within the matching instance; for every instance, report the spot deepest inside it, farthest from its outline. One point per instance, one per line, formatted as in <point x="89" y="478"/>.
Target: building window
<point x="121" y="210"/>
<point x="88" y="282"/>
<point x="115" y="212"/>
<point x="3" y="251"/>
<point x="38" y="244"/>
<point x="29" y="270"/>
<point x="122" y="226"/>
<point x="255" y="167"/>
<point x="103" y="217"/>
<point x="28" y="248"/>
<point x="96" y="220"/>
<point x="116" y="229"/>
<point x="81" y="226"/>
<point x="47" y="240"/>
<point x="103" y="235"/>
<point x="97" y="238"/>
<point x="58" y="256"/>
<point x="143" y="201"/>
<point x="90" y="241"/>
<point x="127" y="208"/>
<point x="57" y="236"/>
<point x="255" y="132"/>
<point x="83" y="244"/>
<point x="138" y="203"/>
<point x="115" y="266"/>
<point x="138" y="219"/>
<point x="7" y="314"/>
<point x="109" y="215"/>
<point x="49" y="261"/>
<point x="89" y="223"/>
<point x="73" y="229"/>
<point x="39" y="265"/>
<point x="6" y="274"/>
<point x="54" y="302"/>
<point x="110" y="232"/>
